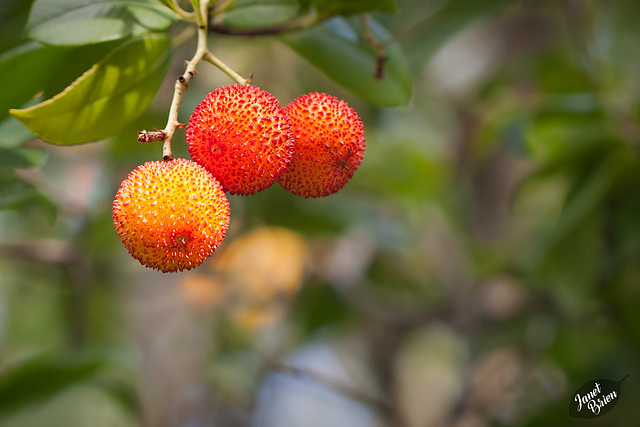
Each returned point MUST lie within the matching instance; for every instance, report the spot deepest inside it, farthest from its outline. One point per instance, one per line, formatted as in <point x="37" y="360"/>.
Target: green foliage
<point x="253" y="14"/>
<point x="32" y="62"/>
<point x="25" y="384"/>
<point x="339" y="51"/>
<point x="350" y="7"/>
<point x="14" y="192"/>
<point x="117" y="89"/>
<point x="79" y="22"/>
<point x="13" y="18"/>
<point x="21" y="157"/>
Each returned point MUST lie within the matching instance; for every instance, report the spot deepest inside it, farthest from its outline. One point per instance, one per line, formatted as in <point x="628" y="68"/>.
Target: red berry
<point x="171" y="215"/>
<point x="240" y="134"/>
<point x="328" y="145"/>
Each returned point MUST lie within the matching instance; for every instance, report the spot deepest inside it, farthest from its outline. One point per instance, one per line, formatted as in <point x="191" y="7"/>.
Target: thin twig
<point x="295" y="25"/>
<point x="209" y="57"/>
<point x="377" y="45"/>
<point x="180" y="11"/>
<point x="339" y="386"/>
<point x="183" y="81"/>
<point x="222" y="6"/>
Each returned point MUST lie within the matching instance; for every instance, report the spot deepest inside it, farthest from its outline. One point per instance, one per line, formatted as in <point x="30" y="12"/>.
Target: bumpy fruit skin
<point x="328" y="145"/>
<point x="171" y="215"/>
<point x="240" y="134"/>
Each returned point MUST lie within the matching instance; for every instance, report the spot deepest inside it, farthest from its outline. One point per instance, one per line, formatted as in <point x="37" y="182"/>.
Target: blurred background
<point x="482" y="264"/>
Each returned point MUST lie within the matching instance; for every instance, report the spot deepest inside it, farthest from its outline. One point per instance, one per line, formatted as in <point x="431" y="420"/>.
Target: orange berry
<point x="240" y="134"/>
<point x="328" y="145"/>
<point x="171" y="215"/>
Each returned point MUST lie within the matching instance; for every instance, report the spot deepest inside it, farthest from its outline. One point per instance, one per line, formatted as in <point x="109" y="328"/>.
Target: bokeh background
<point x="482" y="264"/>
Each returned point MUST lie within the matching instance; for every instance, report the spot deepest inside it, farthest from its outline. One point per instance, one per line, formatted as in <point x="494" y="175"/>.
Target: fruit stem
<point x="211" y="58"/>
<point x="180" y="11"/>
<point x="183" y="81"/>
<point x="223" y="5"/>
<point x="201" y="13"/>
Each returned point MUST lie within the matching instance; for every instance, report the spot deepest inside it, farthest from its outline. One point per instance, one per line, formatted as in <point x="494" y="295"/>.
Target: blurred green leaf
<point x="21" y="157"/>
<point x="97" y="105"/>
<point x="13" y="18"/>
<point x="350" y="7"/>
<point x="337" y="49"/>
<point x="561" y="73"/>
<point x="565" y="128"/>
<point x="585" y="197"/>
<point x="260" y="13"/>
<point x="78" y="22"/>
<point x="590" y="189"/>
<point x="41" y="377"/>
<point x="121" y="391"/>
<point x="14" y="191"/>
<point x="409" y="173"/>
<point x="83" y="405"/>
<point x="13" y="134"/>
<point x="167" y="3"/>
<point x="26" y="70"/>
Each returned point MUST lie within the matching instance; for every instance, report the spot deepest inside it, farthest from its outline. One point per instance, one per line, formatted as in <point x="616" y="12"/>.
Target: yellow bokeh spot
<point x="252" y="279"/>
<point x="265" y="263"/>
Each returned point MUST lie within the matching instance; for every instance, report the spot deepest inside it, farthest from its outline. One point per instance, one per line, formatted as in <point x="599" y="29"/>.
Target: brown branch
<point x="248" y="32"/>
<point x="145" y="136"/>
<point x="377" y="45"/>
<point x="297" y="24"/>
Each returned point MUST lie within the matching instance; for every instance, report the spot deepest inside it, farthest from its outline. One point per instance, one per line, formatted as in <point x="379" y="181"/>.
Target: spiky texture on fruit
<point x="171" y="215"/>
<point x="328" y="145"/>
<point x="240" y="134"/>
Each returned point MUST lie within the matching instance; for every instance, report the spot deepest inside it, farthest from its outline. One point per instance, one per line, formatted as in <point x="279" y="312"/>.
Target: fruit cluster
<point x="173" y="214"/>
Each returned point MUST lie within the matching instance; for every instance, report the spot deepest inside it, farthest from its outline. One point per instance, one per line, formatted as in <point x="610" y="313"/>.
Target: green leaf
<point x="13" y="134"/>
<point x="14" y="192"/>
<point x="350" y="7"/>
<point x="13" y="18"/>
<point x="336" y="48"/>
<point x="588" y="191"/>
<point x="113" y="92"/>
<point x="167" y="3"/>
<point x="79" y="22"/>
<point x="26" y="70"/>
<point x="257" y="13"/>
<point x="40" y="378"/>
<point x="21" y="157"/>
<point x="78" y="60"/>
<point x="559" y="74"/>
<point x="565" y="128"/>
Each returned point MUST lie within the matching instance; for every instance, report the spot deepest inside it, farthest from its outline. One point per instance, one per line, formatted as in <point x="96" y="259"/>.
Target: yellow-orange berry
<point x="240" y="134"/>
<point x="171" y="215"/>
<point x="328" y="145"/>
